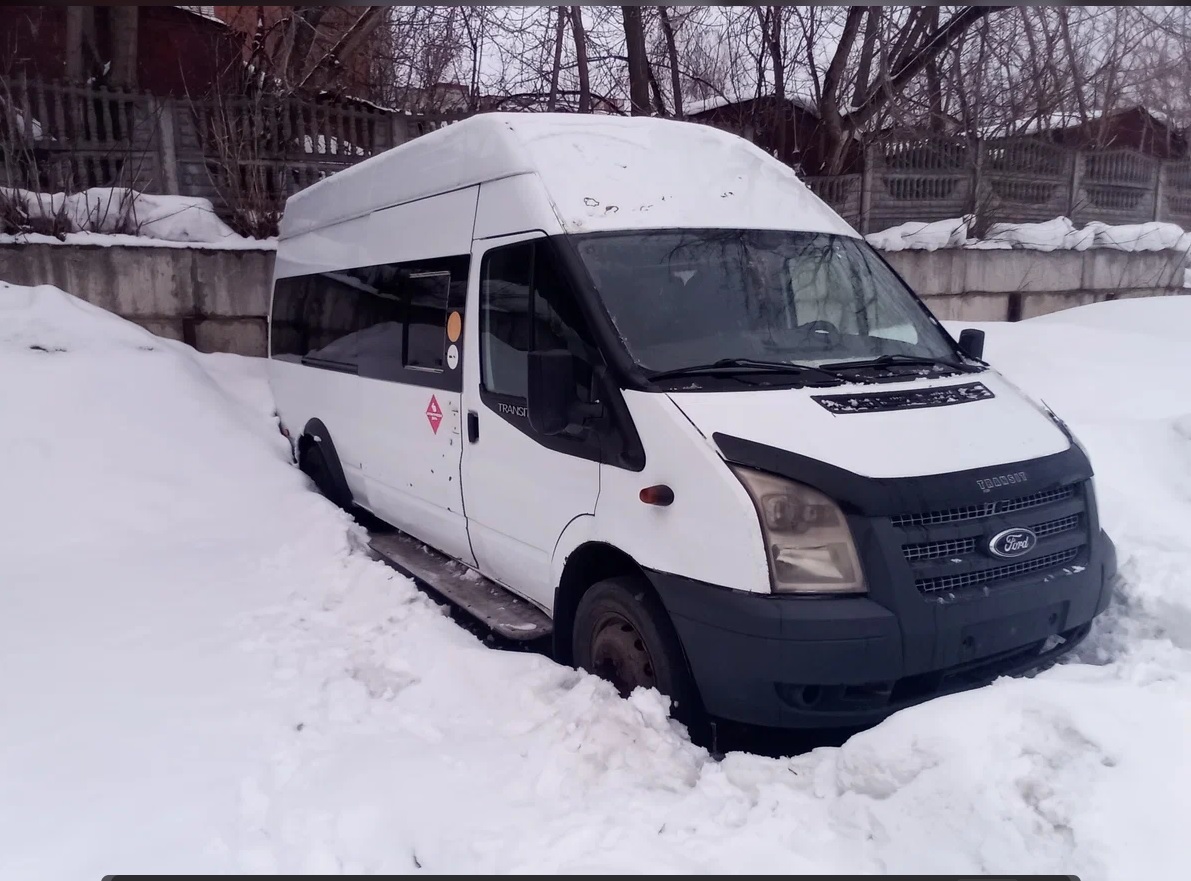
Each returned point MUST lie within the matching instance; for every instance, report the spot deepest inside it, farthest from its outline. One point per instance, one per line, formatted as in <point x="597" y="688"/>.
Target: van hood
<point x="901" y="429"/>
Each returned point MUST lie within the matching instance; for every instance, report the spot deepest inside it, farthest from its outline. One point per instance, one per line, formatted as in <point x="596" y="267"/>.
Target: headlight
<point x="807" y="539"/>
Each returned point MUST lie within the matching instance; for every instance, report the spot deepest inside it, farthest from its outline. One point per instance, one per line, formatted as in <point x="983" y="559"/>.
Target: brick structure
<point x="167" y="50"/>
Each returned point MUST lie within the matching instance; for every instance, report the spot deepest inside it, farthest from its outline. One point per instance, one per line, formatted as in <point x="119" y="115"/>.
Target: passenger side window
<point x="426" y="328"/>
<point x="527" y="305"/>
<point x="387" y="321"/>
<point x="380" y="319"/>
<point x="315" y="317"/>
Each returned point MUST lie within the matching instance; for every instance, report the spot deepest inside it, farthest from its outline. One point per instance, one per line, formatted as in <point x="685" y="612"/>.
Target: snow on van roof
<point x="601" y="173"/>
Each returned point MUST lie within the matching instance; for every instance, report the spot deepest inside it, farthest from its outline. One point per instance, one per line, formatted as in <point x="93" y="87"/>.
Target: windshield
<point x="681" y="298"/>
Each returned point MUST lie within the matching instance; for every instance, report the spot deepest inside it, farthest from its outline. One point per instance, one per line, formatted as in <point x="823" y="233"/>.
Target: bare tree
<point x="634" y="35"/>
<point x="672" y="59"/>
<point x="348" y="44"/>
<point x="859" y="69"/>
<point x="581" y="63"/>
<point x="123" y="21"/>
<point x="770" y="21"/>
<point x="301" y="28"/>
<point x="896" y="54"/>
<point x="560" y="18"/>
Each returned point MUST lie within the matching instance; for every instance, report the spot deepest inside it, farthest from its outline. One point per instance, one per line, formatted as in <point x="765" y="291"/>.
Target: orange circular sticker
<point x="454" y="326"/>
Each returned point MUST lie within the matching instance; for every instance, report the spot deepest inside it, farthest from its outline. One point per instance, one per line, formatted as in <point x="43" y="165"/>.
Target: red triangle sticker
<point x="434" y="414"/>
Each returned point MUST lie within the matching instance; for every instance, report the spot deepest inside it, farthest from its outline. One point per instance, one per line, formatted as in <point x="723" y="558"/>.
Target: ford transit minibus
<point x="630" y="383"/>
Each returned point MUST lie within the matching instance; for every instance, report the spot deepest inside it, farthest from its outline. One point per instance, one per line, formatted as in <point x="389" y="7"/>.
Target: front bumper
<point x="802" y="662"/>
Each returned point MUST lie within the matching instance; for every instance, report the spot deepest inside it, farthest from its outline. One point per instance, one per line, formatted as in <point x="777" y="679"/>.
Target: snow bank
<point x="104" y="240"/>
<point x="180" y="219"/>
<point x="1059" y="234"/>
<point x="111" y="215"/>
<point x="1141" y="236"/>
<point x="206" y="674"/>
<point x="1053" y="235"/>
<point x="922" y="236"/>
<point x="99" y="209"/>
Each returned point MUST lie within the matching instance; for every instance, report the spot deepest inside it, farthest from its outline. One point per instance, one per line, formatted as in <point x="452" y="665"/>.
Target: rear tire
<point x="623" y="634"/>
<point x="313" y="463"/>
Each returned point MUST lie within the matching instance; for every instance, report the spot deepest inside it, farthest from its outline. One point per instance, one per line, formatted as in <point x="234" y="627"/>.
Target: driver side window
<point x="527" y="305"/>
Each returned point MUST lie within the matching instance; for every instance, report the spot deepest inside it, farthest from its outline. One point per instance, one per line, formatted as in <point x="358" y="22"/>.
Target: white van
<point x="630" y="382"/>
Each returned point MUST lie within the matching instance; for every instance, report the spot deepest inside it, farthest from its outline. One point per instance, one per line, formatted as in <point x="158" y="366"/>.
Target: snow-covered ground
<point x="203" y="672"/>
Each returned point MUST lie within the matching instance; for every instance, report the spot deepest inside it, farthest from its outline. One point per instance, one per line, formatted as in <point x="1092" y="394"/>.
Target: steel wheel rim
<point x="619" y="654"/>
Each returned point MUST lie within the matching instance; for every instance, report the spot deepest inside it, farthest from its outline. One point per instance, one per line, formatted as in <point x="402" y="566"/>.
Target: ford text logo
<point x="991" y="483"/>
<point x="1013" y="542"/>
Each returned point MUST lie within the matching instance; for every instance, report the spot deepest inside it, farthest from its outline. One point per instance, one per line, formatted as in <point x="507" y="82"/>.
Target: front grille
<point x="934" y="550"/>
<point x="946" y="549"/>
<point x="997" y="573"/>
<point x="1054" y="527"/>
<point x="988" y="509"/>
<point x="959" y="547"/>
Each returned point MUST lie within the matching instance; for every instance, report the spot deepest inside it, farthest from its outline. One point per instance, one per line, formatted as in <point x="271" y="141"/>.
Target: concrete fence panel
<point x="216" y="300"/>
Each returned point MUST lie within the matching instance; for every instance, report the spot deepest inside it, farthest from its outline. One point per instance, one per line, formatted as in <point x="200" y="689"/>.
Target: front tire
<point x="623" y="634"/>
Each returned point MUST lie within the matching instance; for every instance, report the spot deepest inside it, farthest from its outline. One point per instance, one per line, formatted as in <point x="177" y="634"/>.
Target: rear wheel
<point x="622" y="634"/>
<point x="313" y="463"/>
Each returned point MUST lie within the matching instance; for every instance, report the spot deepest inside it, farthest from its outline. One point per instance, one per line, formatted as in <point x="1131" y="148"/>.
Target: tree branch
<point x="916" y="63"/>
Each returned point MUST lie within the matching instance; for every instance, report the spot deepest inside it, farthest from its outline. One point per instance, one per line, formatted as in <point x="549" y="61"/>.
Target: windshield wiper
<point x="747" y="366"/>
<point x="898" y="360"/>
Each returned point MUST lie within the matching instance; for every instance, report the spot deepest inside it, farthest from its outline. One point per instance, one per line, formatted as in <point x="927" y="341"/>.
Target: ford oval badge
<point x="1013" y="542"/>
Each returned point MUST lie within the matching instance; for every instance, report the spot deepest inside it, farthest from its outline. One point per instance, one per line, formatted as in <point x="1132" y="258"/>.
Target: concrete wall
<point x="1006" y="285"/>
<point x="216" y="300"/>
<point x="219" y="300"/>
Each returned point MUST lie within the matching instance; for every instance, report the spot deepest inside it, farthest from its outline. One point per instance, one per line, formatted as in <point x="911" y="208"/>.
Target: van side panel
<point x="513" y="205"/>
<point x="710" y="533"/>
<point x="304" y="393"/>
<point x="411" y="435"/>
<point x="399" y="434"/>
<point x="439" y="226"/>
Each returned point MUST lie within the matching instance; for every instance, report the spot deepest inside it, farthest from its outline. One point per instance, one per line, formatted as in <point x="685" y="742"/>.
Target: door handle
<point x="473" y="426"/>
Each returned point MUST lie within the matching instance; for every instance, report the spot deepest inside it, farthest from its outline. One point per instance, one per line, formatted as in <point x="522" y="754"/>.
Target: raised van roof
<point x="601" y="173"/>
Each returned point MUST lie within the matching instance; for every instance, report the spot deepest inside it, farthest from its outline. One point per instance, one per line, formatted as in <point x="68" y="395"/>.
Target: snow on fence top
<point x="1059" y="234"/>
<point x="106" y="216"/>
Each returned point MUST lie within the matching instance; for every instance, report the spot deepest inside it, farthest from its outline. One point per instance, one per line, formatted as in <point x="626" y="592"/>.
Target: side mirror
<point x="971" y="343"/>
<point x="551" y="390"/>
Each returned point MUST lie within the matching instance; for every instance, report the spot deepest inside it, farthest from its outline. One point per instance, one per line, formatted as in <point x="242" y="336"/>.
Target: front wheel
<point x="622" y="634"/>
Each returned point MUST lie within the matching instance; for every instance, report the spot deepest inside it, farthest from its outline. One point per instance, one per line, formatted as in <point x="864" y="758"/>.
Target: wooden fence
<point x="59" y="136"/>
<point x="1008" y="180"/>
<point x="239" y="152"/>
